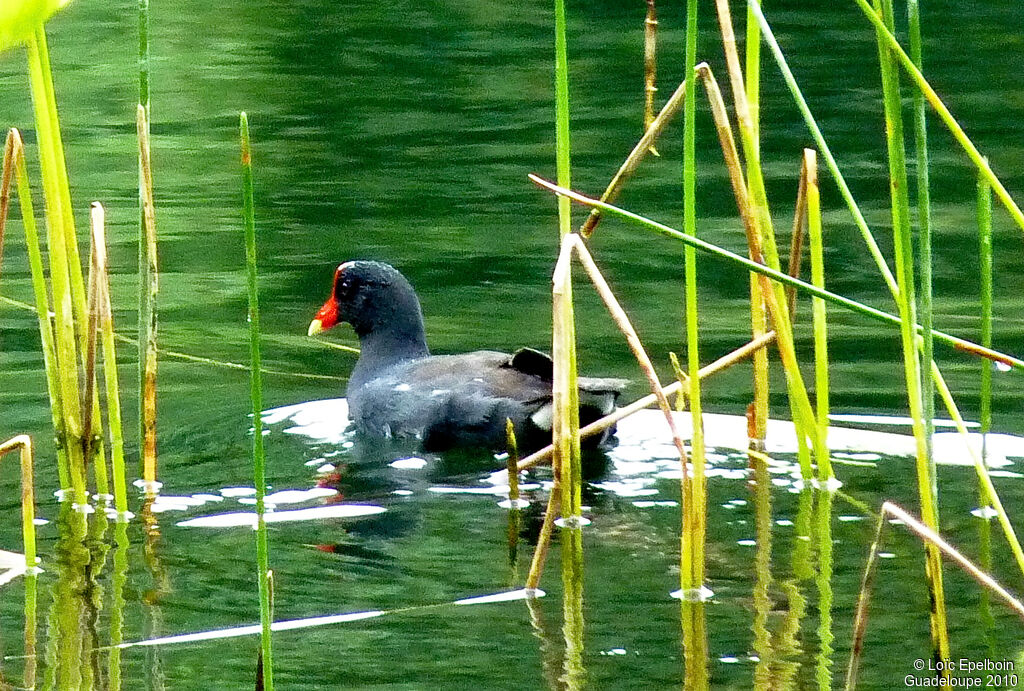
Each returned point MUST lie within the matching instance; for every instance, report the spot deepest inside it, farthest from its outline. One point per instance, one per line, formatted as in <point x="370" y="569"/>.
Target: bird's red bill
<point x="325" y="318"/>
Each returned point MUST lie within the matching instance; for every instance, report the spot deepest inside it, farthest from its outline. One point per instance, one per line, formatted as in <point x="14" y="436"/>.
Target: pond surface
<point x="404" y="132"/>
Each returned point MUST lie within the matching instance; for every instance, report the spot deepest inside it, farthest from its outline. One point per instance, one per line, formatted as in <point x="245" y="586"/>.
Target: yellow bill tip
<point x="316" y="326"/>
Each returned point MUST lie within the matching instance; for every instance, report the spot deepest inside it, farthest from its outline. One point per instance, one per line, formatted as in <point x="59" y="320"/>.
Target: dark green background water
<point x="404" y="132"/>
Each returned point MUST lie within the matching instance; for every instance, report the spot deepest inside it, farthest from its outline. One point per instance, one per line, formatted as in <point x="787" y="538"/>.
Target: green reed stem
<point x="118" y="582"/>
<point x="256" y="392"/>
<point x="148" y="276"/>
<point x="63" y="259"/>
<point x="758" y="315"/>
<point x="23" y="443"/>
<point x="695" y="504"/>
<point x="144" y="57"/>
<point x="14" y="156"/>
<point x="562" y="115"/>
<point x="904" y="258"/>
<point x="110" y="364"/>
<point x="574" y="671"/>
<point x="761" y="494"/>
<point x="984" y="210"/>
<point x="572" y="491"/>
<point x="924" y="221"/>
<point x="567" y="460"/>
<point x="28" y="679"/>
<point x="933" y="98"/>
<point x="823" y="579"/>
<point x="819" y="317"/>
<point x="778" y="276"/>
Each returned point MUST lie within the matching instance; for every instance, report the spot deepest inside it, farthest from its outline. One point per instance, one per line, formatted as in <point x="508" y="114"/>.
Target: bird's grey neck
<point x="381" y="349"/>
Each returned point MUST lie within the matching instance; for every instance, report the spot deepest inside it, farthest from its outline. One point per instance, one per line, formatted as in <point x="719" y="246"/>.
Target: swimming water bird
<point x="399" y="390"/>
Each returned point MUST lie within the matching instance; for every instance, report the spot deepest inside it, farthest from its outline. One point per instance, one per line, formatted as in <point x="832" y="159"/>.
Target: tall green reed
<point x="692" y="536"/>
<point x="924" y="223"/>
<point x="256" y="393"/>
<point x="904" y="259"/>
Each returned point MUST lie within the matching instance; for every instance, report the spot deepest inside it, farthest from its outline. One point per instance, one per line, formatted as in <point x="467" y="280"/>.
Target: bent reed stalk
<point x="23" y="444"/>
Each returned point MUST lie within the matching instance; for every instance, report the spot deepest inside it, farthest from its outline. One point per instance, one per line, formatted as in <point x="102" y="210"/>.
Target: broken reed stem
<point x="106" y="324"/>
<point x="148" y="288"/>
<point x="633" y="340"/>
<point x="23" y="443"/>
<point x="650" y="66"/>
<point x="930" y="537"/>
<point x="256" y="393"/>
<point x="540" y="553"/>
<point x="14" y="159"/>
<point x="92" y="423"/>
<point x="796" y="245"/>
<point x="632" y="162"/>
<point x="647" y="401"/>
<point x="778" y="276"/>
<point x="513" y="491"/>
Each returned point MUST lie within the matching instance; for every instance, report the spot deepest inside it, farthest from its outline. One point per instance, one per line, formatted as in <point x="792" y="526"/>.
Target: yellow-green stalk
<point x="823" y="533"/>
<point x="571" y="492"/>
<point x="694" y="505"/>
<point x="904" y="259"/>
<point x="984" y="213"/>
<point x="758" y="315"/>
<point x="818" y="312"/>
<point x="14" y="158"/>
<point x="65" y="269"/>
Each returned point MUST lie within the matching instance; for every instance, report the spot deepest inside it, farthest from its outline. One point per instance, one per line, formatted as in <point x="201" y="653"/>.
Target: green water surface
<point x="404" y="132"/>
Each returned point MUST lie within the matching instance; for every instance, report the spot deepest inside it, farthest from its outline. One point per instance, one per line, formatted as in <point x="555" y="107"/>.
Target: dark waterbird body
<point x="398" y="389"/>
